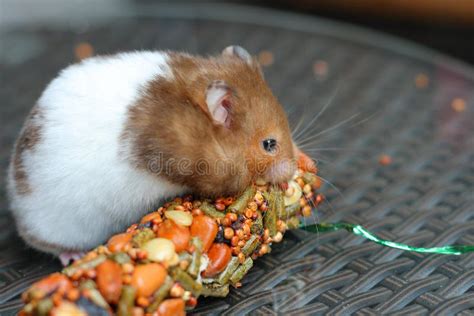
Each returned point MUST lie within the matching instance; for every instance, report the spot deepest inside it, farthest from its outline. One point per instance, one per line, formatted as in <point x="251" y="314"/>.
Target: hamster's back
<point x="70" y="157"/>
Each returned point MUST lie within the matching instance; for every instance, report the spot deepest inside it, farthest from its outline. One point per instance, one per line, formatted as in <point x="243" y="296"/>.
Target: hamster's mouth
<point x="280" y="172"/>
<point x="283" y="172"/>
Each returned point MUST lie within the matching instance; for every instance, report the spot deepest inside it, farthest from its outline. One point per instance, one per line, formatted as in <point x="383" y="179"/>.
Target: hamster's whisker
<point x="329" y="129"/>
<point x="314" y="214"/>
<point x="309" y="147"/>
<point x="319" y="149"/>
<point x="320" y="158"/>
<point x="304" y="113"/>
<point x="321" y="112"/>
<point x="371" y="116"/>
<point x="304" y="221"/>
<point x="299" y="124"/>
<point x="331" y="208"/>
<point x="332" y="186"/>
<point x="364" y="120"/>
<point x="324" y="161"/>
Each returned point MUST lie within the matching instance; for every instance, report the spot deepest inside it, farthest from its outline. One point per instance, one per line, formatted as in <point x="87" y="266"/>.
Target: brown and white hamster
<point x="112" y="136"/>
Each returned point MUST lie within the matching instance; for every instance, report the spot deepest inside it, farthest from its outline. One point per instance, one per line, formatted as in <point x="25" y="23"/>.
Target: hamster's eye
<point x="270" y="145"/>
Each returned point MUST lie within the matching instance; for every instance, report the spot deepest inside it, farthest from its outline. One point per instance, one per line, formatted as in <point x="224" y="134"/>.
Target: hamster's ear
<point x="237" y="51"/>
<point x="218" y="100"/>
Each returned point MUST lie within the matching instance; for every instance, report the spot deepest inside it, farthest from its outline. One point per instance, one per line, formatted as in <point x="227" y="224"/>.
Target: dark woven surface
<point x="424" y="198"/>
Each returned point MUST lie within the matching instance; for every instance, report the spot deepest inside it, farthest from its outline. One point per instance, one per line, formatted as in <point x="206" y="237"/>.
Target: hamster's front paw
<point x="67" y="257"/>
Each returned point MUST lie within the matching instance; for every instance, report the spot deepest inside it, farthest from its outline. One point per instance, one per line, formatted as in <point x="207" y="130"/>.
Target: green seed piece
<point x="257" y="225"/>
<point x="120" y="257"/>
<point x="88" y="284"/>
<point x="195" y="264"/>
<point x="142" y="237"/>
<point x="225" y="275"/>
<point x="241" y="271"/>
<point x="293" y="222"/>
<point x="186" y="281"/>
<point x="276" y="206"/>
<point x="279" y="203"/>
<point x="172" y="206"/>
<point x="210" y="210"/>
<point x="215" y="290"/>
<point x="184" y="256"/>
<point x="69" y="271"/>
<point x="309" y="178"/>
<point x="127" y="301"/>
<point x="250" y="245"/>
<point x="208" y="280"/>
<point x="98" y="299"/>
<point x="266" y="195"/>
<point x="44" y="306"/>
<point x="241" y="202"/>
<point x="35" y="294"/>
<point x="160" y="295"/>
<point x="95" y="295"/>
<point x="290" y="210"/>
<point x="28" y="308"/>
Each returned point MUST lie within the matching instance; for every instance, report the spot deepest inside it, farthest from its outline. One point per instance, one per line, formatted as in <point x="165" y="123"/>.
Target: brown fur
<point x="172" y="121"/>
<point x="29" y="137"/>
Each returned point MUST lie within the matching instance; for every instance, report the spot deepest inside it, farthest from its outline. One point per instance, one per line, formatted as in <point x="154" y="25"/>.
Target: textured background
<point x="424" y="198"/>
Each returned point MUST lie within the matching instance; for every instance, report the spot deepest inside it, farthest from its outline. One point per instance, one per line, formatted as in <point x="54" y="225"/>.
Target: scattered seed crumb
<point x="83" y="50"/>
<point x="320" y="68"/>
<point x="265" y="58"/>
<point x="422" y="81"/>
<point x="385" y="160"/>
<point x="458" y="105"/>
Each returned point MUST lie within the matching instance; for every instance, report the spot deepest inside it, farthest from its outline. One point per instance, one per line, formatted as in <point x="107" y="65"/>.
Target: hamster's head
<point x="240" y="132"/>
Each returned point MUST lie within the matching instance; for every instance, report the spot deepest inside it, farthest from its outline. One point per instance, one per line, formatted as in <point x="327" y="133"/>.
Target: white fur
<point x="83" y="187"/>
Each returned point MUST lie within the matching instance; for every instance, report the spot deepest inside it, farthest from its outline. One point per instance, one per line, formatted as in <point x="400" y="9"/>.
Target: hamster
<point x="113" y="136"/>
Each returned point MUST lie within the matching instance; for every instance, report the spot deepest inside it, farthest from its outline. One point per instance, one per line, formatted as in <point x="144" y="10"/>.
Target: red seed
<point x="119" y="242"/>
<point x="179" y="235"/>
<point x="205" y="228"/>
<point x="284" y="186"/>
<point x="220" y="206"/>
<point x="228" y="233"/>
<point x="172" y="307"/>
<point x="234" y="240"/>
<point x="196" y="212"/>
<point x="55" y="281"/>
<point x="231" y="216"/>
<point x="109" y="280"/>
<point x="83" y="50"/>
<point x="143" y="301"/>
<point x="228" y="201"/>
<point x="150" y="217"/>
<point x="236" y="250"/>
<point x="147" y="278"/>
<point x="219" y="256"/>
<point x="192" y="302"/>
<point x="385" y="160"/>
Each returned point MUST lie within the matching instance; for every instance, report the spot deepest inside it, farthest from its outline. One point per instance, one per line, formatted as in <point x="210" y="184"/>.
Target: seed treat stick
<point x="186" y="249"/>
